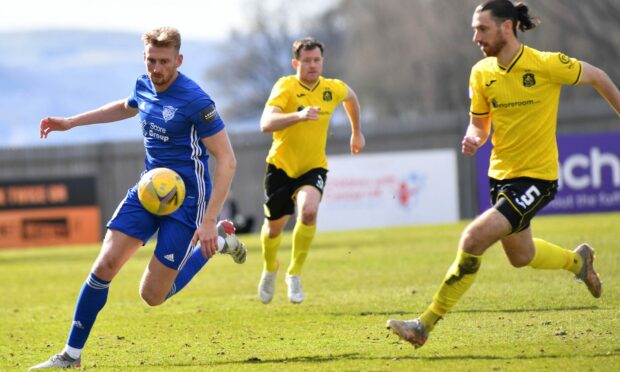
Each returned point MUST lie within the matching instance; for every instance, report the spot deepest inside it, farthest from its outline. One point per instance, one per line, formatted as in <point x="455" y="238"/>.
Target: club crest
<point x="529" y="80"/>
<point x="327" y="96"/>
<point x="168" y="113"/>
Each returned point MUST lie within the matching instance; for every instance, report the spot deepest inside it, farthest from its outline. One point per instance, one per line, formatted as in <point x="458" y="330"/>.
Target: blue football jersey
<point x="173" y="123"/>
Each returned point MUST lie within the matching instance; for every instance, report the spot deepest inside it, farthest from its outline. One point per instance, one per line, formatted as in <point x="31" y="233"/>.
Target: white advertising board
<point x="390" y="189"/>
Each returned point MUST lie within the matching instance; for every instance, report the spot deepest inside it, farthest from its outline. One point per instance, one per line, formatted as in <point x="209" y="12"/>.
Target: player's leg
<point x="174" y="263"/>
<point x="520" y="200"/>
<point x="156" y="282"/>
<point x="308" y="199"/>
<point x="128" y="229"/>
<point x="523" y="250"/>
<point x="270" y="237"/>
<point x="485" y="230"/>
<point x="481" y="233"/>
<point x="495" y="224"/>
<point x="116" y="249"/>
<point x="309" y="189"/>
<point x="278" y="207"/>
<point x="519" y="247"/>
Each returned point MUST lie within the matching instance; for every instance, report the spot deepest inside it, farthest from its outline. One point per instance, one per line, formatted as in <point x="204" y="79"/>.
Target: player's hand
<point x="358" y="142"/>
<point x="206" y="234"/>
<point x="310" y="113"/>
<point x="50" y="124"/>
<point x="470" y="145"/>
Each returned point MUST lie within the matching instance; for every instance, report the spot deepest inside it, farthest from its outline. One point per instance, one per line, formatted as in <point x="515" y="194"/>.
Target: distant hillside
<point x="60" y="73"/>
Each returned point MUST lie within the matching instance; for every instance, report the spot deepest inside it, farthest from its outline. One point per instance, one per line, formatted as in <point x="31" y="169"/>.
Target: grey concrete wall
<point x="117" y="166"/>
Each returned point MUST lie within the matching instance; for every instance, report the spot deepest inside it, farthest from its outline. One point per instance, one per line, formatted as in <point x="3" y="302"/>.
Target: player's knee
<point x="151" y="298"/>
<point x="270" y="231"/>
<point x="308" y="216"/>
<point x="470" y="242"/>
<point x="106" y="268"/>
<point x="519" y="261"/>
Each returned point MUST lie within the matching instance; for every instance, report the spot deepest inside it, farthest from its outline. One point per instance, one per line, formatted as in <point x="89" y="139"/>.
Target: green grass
<point x="510" y="320"/>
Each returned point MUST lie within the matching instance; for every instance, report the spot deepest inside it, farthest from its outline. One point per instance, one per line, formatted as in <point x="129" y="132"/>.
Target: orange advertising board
<point x="55" y="226"/>
<point x="49" y="212"/>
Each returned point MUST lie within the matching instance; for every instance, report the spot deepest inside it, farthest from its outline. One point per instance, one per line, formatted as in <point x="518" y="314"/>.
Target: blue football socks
<point x="194" y="263"/>
<point x="91" y="300"/>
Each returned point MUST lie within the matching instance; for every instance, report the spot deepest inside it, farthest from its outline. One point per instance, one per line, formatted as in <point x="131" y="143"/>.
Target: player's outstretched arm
<point x="113" y="111"/>
<point x="603" y="84"/>
<point x="352" y="108"/>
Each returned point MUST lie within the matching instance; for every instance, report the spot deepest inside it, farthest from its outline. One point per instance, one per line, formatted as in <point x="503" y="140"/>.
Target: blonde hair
<point x="163" y="37"/>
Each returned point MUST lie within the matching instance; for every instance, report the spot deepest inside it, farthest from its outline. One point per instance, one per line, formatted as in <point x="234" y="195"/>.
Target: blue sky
<point x="53" y="76"/>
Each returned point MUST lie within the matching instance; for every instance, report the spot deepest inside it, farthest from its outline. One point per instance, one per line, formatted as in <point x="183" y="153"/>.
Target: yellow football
<point x="161" y="191"/>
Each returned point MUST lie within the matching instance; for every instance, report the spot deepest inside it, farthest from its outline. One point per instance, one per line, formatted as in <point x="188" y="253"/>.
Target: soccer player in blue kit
<point x="181" y="127"/>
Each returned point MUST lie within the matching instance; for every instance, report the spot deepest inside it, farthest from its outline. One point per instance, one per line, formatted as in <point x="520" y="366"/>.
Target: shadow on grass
<point x="475" y="311"/>
<point x="365" y="356"/>
<point x="527" y="310"/>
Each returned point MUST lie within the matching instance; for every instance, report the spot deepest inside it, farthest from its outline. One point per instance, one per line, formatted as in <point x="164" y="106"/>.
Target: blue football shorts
<point x="174" y="231"/>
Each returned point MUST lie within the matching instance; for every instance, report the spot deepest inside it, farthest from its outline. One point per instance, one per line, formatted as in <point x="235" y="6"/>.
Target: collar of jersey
<point x="318" y="82"/>
<point x="513" y="62"/>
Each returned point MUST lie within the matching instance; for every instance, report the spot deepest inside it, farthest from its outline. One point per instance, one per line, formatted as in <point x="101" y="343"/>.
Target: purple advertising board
<point x="589" y="174"/>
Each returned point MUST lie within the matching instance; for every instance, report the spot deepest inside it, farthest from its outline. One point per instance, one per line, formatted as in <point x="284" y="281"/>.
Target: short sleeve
<point x="279" y="95"/>
<point x="131" y="100"/>
<point x="479" y="106"/>
<point x="205" y="117"/>
<point x="562" y="68"/>
<point x="340" y="90"/>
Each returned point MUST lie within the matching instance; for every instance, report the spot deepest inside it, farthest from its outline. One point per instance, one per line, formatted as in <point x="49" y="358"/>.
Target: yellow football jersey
<point x="301" y="147"/>
<point x="522" y="100"/>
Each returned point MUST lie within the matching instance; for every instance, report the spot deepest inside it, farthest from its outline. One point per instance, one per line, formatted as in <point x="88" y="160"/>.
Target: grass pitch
<point x="510" y="320"/>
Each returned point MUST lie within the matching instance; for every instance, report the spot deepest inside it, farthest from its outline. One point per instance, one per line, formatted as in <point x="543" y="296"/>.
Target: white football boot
<point x="58" y="361"/>
<point x="228" y="243"/>
<point x="267" y="286"/>
<point x="295" y="293"/>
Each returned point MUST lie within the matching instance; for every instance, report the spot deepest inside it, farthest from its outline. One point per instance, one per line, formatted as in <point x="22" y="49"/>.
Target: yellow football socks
<point x="548" y="256"/>
<point x="457" y="281"/>
<point x="270" y="250"/>
<point x="429" y="318"/>
<point x="302" y="238"/>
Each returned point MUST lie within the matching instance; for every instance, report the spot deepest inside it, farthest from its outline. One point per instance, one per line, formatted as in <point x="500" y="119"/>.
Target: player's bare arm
<point x="476" y="135"/>
<point x="352" y="108"/>
<point x="225" y="164"/>
<point x="273" y="119"/>
<point x="603" y="84"/>
<point x="113" y="111"/>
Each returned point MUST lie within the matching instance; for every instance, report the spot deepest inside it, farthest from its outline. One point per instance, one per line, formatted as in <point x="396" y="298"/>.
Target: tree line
<point x="404" y="58"/>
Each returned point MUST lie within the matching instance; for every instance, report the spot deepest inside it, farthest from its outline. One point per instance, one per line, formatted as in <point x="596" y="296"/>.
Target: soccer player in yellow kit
<point x="516" y="89"/>
<point x="298" y="112"/>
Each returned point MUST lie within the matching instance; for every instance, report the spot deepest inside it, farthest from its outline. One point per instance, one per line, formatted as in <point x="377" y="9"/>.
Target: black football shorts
<point x="280" y="189"/>
<point x="519" y="199"/>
